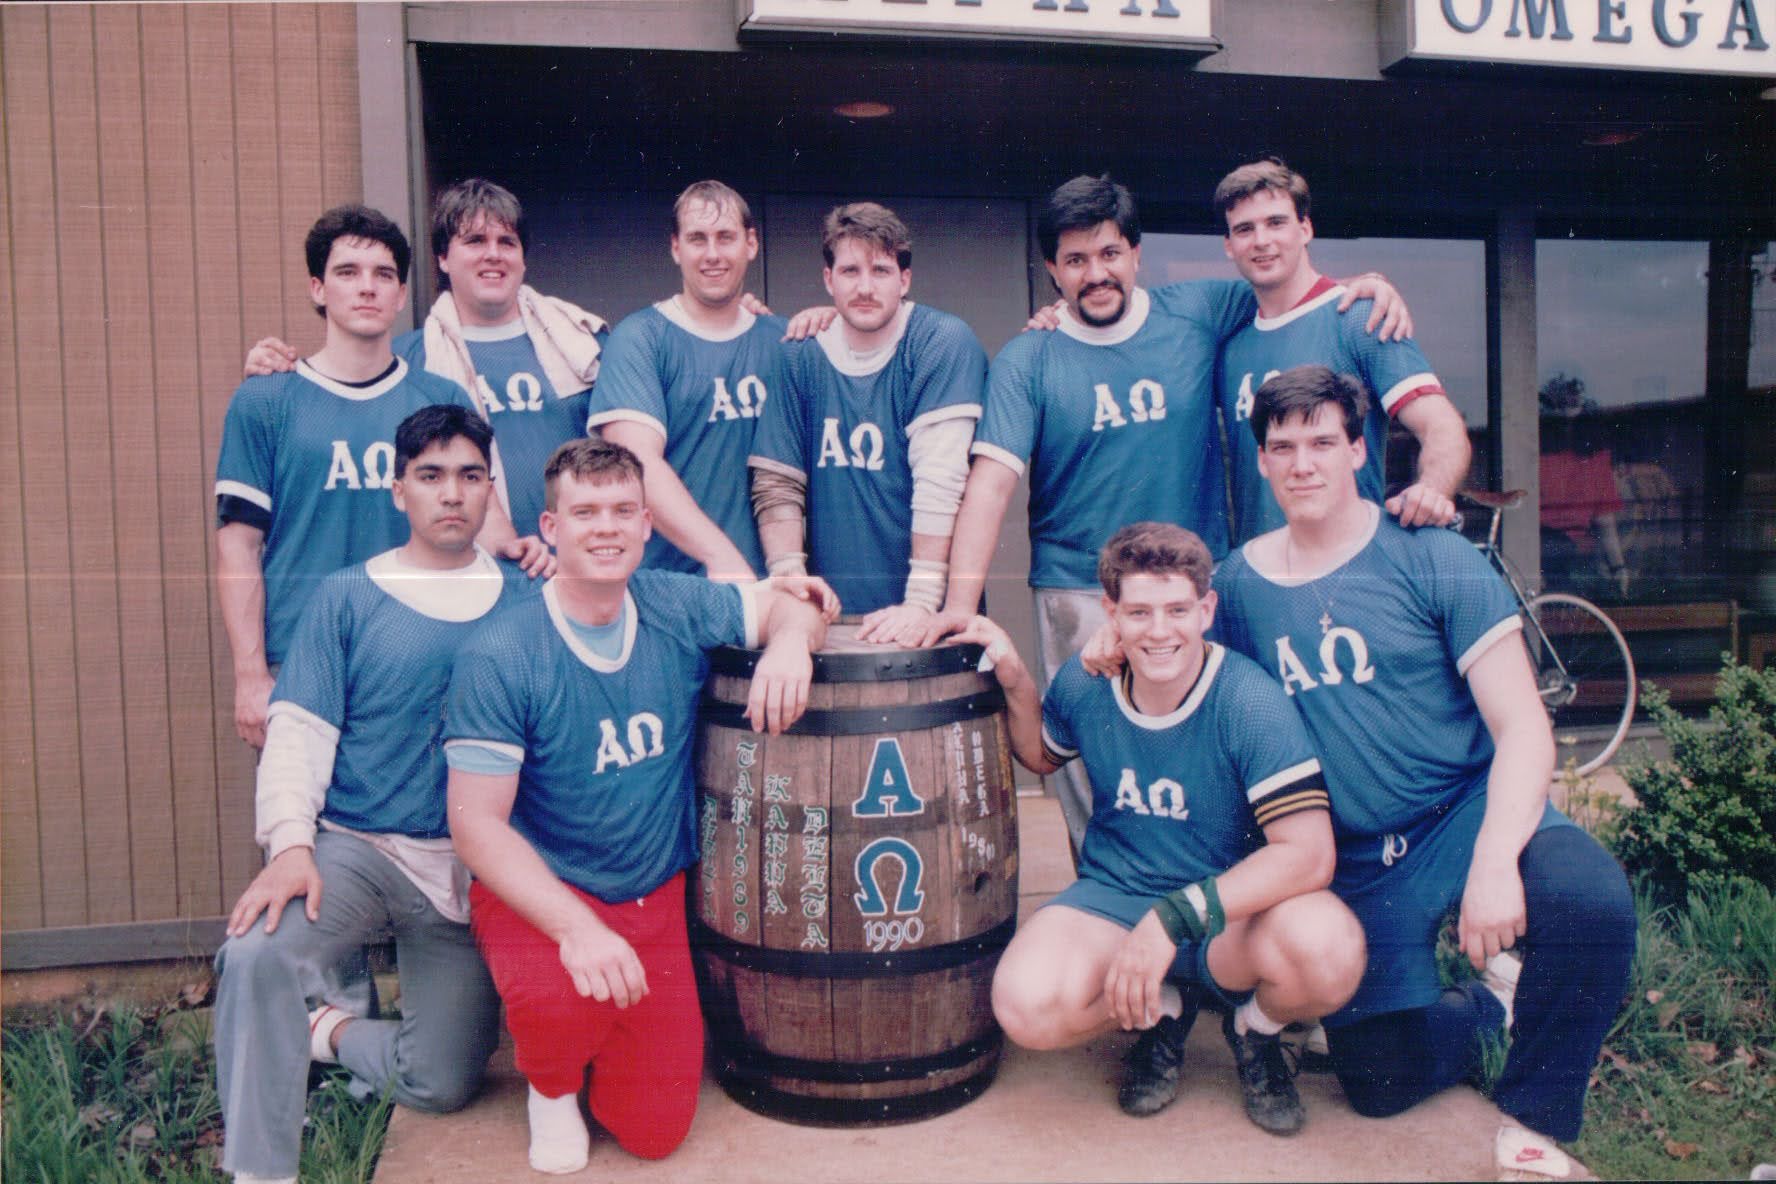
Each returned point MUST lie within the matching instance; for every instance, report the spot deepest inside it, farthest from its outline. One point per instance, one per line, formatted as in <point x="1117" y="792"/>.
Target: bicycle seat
<point x="1509" y="500"/>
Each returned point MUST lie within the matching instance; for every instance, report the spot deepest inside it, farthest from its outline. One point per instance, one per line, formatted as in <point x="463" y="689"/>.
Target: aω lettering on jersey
<point x="1165" y="798"/>
<point x="376" y="472"/>
<point x="1292" y="672"/>
<point x="747" y="401"/>
<point x="867" y="448"/>
<point x="880" y="931"/>
<point x="1146" y="404"/>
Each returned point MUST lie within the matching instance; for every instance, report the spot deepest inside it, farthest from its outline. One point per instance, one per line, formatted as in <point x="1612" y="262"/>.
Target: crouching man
<point x="1180" y="899"/>
<point x="570" y="728"/>
<point x="350" y="810"/>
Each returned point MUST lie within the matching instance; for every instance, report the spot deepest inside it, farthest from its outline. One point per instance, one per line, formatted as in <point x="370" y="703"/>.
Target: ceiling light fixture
<point x="1611" y="137"/>
<point x="863" y="109"/>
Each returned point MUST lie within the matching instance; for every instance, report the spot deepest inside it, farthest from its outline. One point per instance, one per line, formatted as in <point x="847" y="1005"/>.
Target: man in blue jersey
<point x="1402" y="650"/>
<point x="1207" y="853"/>
<point x="1299" y="321"/>
<point x="307" y="456"/>
<point x="860" y="460"/>
<point x="684" y="384"/>
<point x="569" y="733"/>
<point x="350" y="810"/>
<point x="528" y="360"/>
<point x="1113" y="417"/>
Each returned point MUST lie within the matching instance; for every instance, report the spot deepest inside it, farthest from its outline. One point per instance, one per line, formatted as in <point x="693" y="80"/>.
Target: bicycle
<point x="1584" y="670"/>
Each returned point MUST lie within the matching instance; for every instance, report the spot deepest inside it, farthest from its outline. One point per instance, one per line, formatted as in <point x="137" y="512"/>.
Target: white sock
<point x="1249" y="1017"/>
<point x="1171" y="1001"/>
<point x="559" y="1141"/>
<point x="250" y="1178"/>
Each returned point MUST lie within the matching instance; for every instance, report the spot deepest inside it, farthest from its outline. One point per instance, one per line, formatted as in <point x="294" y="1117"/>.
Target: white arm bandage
<point x="937" y="453"/>
<point x="294" y="772"/>
<point x="927" y="580"/>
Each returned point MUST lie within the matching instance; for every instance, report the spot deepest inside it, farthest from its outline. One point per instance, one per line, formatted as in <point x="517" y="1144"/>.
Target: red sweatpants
<point x="646" y="1059"/>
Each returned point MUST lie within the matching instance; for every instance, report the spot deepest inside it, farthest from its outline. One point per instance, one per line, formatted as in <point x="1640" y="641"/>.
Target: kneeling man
<point x="350" y="809"/>
<point x="1402" y="649"/>
<point x="1191" y="755"/>
<point x="570" y="728"/>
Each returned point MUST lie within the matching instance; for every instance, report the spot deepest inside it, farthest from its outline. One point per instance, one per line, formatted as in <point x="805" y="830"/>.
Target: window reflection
<point x="1621" y="331"/>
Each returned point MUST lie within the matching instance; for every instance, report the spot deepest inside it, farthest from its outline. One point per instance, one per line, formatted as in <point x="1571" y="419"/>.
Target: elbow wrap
<point x="926" y="581"/>
<point x="937" y="454"/>
<point x="773" y="491"/>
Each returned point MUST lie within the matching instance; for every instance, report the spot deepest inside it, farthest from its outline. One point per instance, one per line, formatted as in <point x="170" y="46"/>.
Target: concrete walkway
<point x="1050" y="1116"/>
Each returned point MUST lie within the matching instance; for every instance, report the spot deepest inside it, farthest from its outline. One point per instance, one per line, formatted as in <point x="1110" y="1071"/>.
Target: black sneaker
<point x="1267" y="1087"/>
<point x="1150" y="1080"/>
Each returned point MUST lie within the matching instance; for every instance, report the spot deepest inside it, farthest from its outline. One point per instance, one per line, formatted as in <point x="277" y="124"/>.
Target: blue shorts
<point x="1401" y="886"/>
<point x="1191" y="965"/>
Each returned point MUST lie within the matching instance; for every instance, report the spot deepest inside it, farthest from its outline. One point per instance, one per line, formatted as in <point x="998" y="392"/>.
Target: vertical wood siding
<point x="159" y="166"/>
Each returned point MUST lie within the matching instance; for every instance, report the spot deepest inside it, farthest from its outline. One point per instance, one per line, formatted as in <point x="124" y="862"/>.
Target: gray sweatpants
<point x="1065" y="620"/>
<point x="431" y="1059"/>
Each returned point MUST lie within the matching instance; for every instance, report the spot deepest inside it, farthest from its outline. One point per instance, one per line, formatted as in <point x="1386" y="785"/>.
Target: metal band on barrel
<point x="777" y="1103"/>
<point x="865" y="721"/>
<point x="862" y="666"/>
<point x="846" y="964"/>
<point x="752" y="1063"/>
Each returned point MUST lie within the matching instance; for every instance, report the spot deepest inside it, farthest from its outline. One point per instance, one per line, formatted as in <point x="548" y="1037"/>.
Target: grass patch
<point x="1686" y="1085"/>
<point x="129" y="1097"/>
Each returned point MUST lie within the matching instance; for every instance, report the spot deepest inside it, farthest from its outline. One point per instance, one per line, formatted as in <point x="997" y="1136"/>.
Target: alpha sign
<point x="1186" y="24"/>
<point x="1687" y="36"/>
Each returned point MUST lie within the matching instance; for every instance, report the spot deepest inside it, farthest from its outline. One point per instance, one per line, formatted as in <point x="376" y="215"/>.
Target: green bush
<point x="1708" y="814"/>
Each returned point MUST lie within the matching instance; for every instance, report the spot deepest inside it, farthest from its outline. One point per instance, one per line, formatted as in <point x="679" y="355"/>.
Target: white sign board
<point x="1684" y="36"/>
<point x="1185" y="24"/>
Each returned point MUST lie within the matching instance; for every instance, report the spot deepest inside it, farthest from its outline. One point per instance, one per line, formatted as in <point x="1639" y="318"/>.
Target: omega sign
<point x="1689" y="36"/>
<point x="1184" y="24"/>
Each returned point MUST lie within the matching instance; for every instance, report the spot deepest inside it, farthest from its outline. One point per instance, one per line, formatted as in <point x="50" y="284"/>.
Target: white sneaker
<point x="1500" y="977"/>
<point x="559" y="1141"/>
<point x="323" y="1021"/>
<point x="1522" y="1154"/>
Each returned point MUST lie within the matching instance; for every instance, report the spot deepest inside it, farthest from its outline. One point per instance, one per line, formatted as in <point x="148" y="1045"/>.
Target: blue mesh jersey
<point x="1376" y="656"/>
<point x="316" y="458"/>
<point x="1182" y="796"/>
<point x="604" y="792"/>
<point x="704" y="397"/>
<point x="530" y="418"/>
<point x="372" y="658"/>
<point x="1116" y="425"/>
<point x="1313" y="333"/>
<point x="843" y="426"/>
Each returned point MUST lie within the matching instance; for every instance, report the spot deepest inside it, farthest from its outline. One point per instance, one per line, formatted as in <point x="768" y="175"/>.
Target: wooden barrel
<point x="858" y="883"/>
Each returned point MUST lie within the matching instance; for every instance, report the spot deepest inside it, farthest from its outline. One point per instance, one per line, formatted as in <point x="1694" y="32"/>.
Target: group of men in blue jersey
<point x="1250" y="832"/>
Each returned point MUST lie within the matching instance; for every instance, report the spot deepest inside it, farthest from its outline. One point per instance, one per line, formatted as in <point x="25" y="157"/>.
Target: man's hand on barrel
<point x="1102" y="654"/>
<point x="1001" y="656"/>
<point x="904" y="625"/>
<point x="779" y="692"/>
<point x="1132" y="984"/>
<point x="810" y="590"/>
<point x="602" y="964"/>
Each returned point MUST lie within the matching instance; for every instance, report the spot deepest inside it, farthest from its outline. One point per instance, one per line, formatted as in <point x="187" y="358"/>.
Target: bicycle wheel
<point x="1585" y="675"/>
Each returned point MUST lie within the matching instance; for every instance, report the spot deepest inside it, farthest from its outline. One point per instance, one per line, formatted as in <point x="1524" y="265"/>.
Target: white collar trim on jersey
<point x="1121" y="331"/>
<point x="357" y="394"/>
<point x="580" y="650"/>
<point x="506" y="332"/>
<point x="1288" y="581"/>
<point x="853" y="364"/>
<point x="458" y="594"/>
<point x="1212" y="658"/>
<point x="1265" y="324"/>
<point x="673" y="310"/>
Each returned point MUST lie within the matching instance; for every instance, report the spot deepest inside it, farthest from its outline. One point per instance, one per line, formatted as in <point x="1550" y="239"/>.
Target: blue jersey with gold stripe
<point x="1182" y="796"/>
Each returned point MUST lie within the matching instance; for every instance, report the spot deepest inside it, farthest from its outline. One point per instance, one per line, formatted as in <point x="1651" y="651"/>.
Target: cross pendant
<point x="1325" y="622"/>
